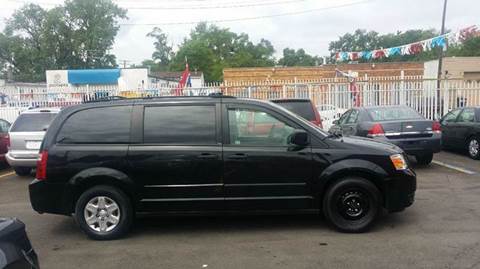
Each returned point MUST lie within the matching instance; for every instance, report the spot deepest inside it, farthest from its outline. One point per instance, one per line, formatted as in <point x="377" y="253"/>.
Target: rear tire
<point x="104" y="213"/>
<point x="424" y="159"/>
<point x="473" y="147"/>
<point x="352" y="204"/>
<point x="22" y="171"/>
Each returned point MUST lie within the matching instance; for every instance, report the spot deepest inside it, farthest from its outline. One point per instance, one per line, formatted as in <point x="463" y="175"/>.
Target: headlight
<point x="399" y="162"/>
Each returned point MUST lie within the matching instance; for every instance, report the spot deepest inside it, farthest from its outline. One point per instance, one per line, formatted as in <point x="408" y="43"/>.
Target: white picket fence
<point x="430" y="97"/>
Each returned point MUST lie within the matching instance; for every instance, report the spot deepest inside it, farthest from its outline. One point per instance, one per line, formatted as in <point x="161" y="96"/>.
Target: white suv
<point x="26" y="135"/>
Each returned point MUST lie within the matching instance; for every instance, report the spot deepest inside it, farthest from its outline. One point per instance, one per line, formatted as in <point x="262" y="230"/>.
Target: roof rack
<point x="105" y="99"/>
<point x="116" y="98"/>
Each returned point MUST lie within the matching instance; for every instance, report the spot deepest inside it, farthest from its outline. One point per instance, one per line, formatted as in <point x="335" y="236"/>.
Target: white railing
<point x="430" y="97"/>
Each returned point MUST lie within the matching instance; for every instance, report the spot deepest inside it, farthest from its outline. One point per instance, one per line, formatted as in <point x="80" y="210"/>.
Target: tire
<point x="22" y="171"/>
<point x="473" y="147"/>
<point x="116" y="205"/>
<point x="349" y="190"/>
<point x="424" y="159"/>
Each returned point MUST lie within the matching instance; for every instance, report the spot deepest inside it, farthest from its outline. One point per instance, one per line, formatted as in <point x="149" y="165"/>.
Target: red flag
<point x="183" y="81"/>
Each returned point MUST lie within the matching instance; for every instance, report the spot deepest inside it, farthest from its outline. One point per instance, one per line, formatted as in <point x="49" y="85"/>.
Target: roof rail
<point x="105" y="99"/>
<point x="116" y="98"/>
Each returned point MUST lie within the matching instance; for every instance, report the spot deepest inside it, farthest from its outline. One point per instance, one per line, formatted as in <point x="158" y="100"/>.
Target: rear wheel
<point x="104" y="213"/>
<point x="22" y="171"/>
<point x="473" y="148"/>
<point x="352" y="204"/>
<point x="424" y="159"/>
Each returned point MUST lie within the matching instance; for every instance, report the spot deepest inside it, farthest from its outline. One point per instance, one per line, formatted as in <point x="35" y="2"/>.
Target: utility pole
<point x="440" y="49"/>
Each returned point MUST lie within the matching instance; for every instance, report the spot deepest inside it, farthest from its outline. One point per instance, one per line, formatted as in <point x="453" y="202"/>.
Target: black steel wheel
<point x="352" y="204"/>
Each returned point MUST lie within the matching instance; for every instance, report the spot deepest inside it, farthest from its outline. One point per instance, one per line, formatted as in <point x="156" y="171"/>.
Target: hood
<point x="359" y="142"/>
<point x="10" y="227"/>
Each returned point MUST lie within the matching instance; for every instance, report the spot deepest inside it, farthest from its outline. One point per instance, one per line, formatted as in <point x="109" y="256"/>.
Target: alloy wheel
<point x="102" y="214"/>
<point x="473" y="147"/>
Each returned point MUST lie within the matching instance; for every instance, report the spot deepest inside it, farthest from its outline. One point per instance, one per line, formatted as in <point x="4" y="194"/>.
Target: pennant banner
<point x="410" y="49"/>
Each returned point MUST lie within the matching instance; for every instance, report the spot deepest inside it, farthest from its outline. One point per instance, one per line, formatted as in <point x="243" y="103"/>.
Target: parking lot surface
<point x="440" y="230"/>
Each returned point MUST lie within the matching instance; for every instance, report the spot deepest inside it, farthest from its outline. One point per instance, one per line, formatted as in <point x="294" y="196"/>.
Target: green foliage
<point x="210" y="49"/>
<point x="77" y="34"/>
<point x="298" y="58"/>
<point x="469" y="47"/>
<point x="163" y="53"/>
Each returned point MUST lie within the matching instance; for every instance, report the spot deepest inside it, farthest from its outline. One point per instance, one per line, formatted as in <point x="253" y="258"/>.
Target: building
<point x="169" y="79"/>
<point x="466" y="68"/>
<point x="125" y="79"/>
<point x="232" y="75"/>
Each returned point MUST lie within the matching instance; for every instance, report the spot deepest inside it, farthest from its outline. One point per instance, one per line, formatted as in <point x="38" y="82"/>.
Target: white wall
<point x="133" y="79"/>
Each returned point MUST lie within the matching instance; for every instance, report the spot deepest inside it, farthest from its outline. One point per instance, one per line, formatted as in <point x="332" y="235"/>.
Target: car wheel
<point x="424" y="159"/>
<point x="22" y="171"/>
<point x="352" y="204"/>
<point x="104" y="213"/>
<point x="473" y="148"/>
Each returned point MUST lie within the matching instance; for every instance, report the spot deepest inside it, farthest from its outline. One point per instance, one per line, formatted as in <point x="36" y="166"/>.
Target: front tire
<point x="352" y="204"/>
<point x="424" y="159"/>
<point x="22" y="171"/>
<point x="473" y="148"/>
<point x="104" y="213"/>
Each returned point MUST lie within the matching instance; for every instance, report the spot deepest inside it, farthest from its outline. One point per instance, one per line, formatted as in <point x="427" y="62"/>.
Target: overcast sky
<point x="309" y="30"/>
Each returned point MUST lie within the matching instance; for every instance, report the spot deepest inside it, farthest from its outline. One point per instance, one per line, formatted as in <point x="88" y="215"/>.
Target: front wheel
<point x="424" y="159"/>
<point x="104" y="213"/>
<point x="352" y="204"/>
<point x="473" y="147"/>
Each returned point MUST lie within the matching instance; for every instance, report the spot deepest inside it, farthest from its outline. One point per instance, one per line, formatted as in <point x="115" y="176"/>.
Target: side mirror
<point x="335" y="122"/>
<point x="299" y="138"/>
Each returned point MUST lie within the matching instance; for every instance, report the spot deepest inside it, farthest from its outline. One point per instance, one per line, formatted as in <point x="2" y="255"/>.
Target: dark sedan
<point x="399" y="125"/>
<point x="461" y="130"/>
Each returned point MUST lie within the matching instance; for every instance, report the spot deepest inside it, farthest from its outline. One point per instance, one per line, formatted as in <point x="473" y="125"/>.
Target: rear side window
<point x="303" y="109"/>
<point x="180" y="125"/>
<point x="393" y="113"/>
<point x="103" y="125"/>
<point x="33" y="122"/>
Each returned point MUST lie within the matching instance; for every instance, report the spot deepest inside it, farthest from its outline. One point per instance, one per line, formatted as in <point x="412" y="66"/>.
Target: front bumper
<point x="48" y="197"/>
<point x="400" y="190"/>
<point x="415" y="146"/>
<point x="28" y="159"/>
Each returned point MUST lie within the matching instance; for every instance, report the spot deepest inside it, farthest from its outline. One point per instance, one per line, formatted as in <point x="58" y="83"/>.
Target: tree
<point x="78" y="34"/>
<point x="163" y="53"/>
<point x="210" y="48"/>
<point x="298" y="58"/>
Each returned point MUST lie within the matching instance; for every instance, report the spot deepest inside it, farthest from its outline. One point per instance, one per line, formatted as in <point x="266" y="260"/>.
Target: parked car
<point x="329" y="113"/>
<point x="105" y="161"/>
<point x="16" y="251"/>
<point x="4" y="139"/>
<point x="399" y="125"/>
<point x="25" y="138"/>
<point x="461" y="130"/>
<point x="303" y="108"/>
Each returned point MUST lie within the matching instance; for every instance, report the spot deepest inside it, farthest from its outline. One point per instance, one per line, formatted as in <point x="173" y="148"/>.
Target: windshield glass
<point x="302" y="108"/>
<point x="33" y="122"/>
<point x="393" y="113"/>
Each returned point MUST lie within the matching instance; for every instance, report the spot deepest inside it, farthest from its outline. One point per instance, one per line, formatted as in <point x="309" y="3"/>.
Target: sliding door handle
<point x="238" y="156"/>
<point x="208" y="156"/>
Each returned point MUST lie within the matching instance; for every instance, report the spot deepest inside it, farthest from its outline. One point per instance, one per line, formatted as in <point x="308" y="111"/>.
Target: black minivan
<point x="106" y="161"/>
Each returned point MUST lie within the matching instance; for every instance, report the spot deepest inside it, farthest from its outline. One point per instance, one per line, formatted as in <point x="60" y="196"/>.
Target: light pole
<point x="440" y="53"/>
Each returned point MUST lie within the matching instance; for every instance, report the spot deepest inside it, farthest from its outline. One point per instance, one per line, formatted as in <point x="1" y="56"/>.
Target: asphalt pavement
<point x="440" y="230"/>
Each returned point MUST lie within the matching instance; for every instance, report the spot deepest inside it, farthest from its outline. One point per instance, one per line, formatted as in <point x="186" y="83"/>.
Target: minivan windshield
<point x="33" y="122"/>
<point x="393" y="113"/>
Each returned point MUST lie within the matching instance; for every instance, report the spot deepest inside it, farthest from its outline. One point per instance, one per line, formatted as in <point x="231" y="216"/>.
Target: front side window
<point x="104" y="125"/>
<point x="344" y="117"/>
<point x="467" y="115"/>
<point x="257" y="128"/>
<point x="353" y="117"/>
<point x="452" y="116"/>
<point x="180" y="125"/>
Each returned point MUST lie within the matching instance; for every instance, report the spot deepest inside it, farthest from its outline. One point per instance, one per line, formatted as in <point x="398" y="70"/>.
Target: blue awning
<point x="93" y="76"/>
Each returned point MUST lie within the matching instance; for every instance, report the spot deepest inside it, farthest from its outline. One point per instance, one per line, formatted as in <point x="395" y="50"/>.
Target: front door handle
<point x="238" y="156"/>
<point x="208" y="156"/>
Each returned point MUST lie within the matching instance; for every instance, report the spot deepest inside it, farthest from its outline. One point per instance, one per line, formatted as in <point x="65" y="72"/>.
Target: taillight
<point x="376" y="130"/>
<point x="42" y="165"/>
<point x="436" y="127"/>
<point x="7" y="140"/>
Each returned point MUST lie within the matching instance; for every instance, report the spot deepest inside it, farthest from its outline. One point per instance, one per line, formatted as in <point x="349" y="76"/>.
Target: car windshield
<point x="393" y="113"/>
<point x="302" y="108"/>
<point x="33" y="122"/>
